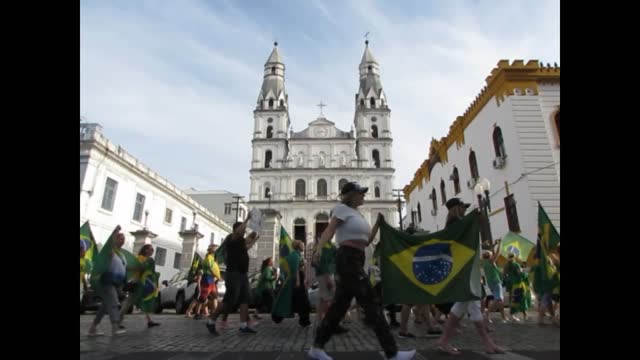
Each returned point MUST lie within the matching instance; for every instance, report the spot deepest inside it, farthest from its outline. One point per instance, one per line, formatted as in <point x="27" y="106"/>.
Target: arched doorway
<point x="300" y="230"/>
<point x="322" y="221"/>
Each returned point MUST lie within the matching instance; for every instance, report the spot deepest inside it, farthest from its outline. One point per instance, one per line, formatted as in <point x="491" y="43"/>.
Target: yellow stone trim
<point x="501" y="84"/>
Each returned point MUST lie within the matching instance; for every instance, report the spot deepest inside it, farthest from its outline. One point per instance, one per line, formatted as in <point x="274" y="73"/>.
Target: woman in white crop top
<point x="353" y="235"/>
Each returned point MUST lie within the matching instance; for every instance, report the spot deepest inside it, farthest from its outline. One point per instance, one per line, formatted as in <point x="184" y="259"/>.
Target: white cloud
<point x="189" y="73"/>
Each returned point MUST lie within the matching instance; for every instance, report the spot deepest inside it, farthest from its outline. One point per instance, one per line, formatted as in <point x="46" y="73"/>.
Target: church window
<point x="443" y="193"/>
<point x="456" y="180"/>
<point x="434" y="202"/>
<point x="322" y="187"/>
<point x="269" y="132"/>
<point x="362" y="102"/>
<point x="498" y="143"/>
<point x="281" y="103"/>
<point x="556" y="124"/>
<point x="267" y="159"/>
<point x="376" y="158"/>
<point x="273" y="70"/>
<point x="374" y="131"/>
<point x="372" y="102"/>
<point x="300" y="188"/>
<point x="377" y="192"/>
<point x="270" y="103"/>
<point x="419" y="213"/>
<point x="473" y="165"/>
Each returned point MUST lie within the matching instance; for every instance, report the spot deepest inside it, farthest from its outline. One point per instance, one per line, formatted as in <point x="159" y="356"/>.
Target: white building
<point x="117" y="189"/>
<point x="229" y="206"/>
<point x="510" y="135"/>
<point x="299" y="174"/>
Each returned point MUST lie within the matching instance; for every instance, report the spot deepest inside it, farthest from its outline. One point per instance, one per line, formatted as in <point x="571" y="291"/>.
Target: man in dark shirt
<point x="236" y="278"/>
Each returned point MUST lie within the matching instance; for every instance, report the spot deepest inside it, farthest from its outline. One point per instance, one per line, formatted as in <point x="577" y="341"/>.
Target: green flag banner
<point x="431" y="268"/>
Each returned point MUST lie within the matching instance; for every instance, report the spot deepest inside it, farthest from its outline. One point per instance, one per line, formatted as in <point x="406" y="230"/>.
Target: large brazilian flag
<point x="431" y="268"/>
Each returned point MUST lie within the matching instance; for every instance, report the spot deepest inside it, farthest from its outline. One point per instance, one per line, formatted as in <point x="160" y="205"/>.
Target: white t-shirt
<point x="354" y="225"/>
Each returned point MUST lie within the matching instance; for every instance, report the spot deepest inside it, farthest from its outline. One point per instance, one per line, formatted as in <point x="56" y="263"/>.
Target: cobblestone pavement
<point x="179" y="338"/>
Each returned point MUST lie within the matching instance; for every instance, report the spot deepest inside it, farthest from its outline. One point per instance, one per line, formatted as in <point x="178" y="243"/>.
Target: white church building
<point x="299" y="174"/>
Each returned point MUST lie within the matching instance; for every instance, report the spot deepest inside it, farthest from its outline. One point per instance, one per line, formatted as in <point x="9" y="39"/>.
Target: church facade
<point x="299" y="174"/>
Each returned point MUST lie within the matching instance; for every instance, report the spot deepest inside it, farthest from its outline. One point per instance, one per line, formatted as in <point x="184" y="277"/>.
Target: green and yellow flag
<point x="289" y="262"/>
<point x="545" y="277"/>
<point x="431" y="268"/>
<point x="89" y="242"/>
<point x="549" y="235"/>
<point x="285" y="248"/>
<point x="515" y="244"/>
<point x="196" y="265"/>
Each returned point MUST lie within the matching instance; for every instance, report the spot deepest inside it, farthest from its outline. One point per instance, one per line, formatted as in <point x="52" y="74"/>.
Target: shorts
<point x="496" y="291"/>
<point x="471" y="307"/>
<point x="325" y="293"/>
<point x="207" y="291"/>
<point x="237" y="284"/>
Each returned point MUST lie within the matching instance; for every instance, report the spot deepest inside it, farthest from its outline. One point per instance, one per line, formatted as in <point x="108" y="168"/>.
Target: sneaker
<point x="318" y="354"/>
<point x="247" y="330"/>
<point x="211" y="326"/>
<point x="404" y="355"/>
<point x="94" y="332"/>
<point x="119" y="332"/>
<point x="406" y="335"/>
<point x="151" y="324"/>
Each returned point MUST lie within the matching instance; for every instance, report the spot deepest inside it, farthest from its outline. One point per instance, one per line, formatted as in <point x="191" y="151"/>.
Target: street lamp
<point x="269" y="194"/>
<point x="483" y="186"/>
<point x="400" y="211"/>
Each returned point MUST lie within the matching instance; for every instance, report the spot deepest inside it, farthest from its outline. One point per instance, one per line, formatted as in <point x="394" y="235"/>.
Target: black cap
<point x="455" y="202"/>
<point x="352" y="186"/>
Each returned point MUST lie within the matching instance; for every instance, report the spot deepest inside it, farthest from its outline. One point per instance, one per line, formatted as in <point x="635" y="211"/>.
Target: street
<point x="179" y="338"/>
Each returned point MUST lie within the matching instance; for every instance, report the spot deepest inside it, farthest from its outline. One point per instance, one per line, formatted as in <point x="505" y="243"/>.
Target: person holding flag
<point x="208" y="281"/>
<point x="457" y="209"/>
<point x="519" y="292"/>
<point x="493" y="281"/>
<point x="84" y="269"/>
<point x="108" y="276"/>
<point x="88" y="251"/>
<point x="143" y="285"/>
<point x="353" y="235"/>
<point x="236" y="278"/>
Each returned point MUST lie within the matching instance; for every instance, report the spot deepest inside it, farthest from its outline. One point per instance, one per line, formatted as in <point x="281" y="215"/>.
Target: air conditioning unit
<point x="434" y="212"/>
<point x="471" y="183"/>
<point x="499" y="162"/>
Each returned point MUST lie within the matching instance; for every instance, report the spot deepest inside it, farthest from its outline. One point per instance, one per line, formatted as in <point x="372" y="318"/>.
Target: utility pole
<point x="399" y="195"/>
<point x="237" y="197"/>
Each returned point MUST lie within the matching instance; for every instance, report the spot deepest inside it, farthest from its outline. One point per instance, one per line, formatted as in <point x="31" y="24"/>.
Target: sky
<point x="175" y="83"/>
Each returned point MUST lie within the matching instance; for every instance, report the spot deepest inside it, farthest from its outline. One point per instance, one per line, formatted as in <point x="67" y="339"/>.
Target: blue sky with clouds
<point x="175" y="82"/>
